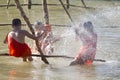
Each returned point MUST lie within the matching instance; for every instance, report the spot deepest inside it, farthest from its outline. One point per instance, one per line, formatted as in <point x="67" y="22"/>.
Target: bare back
<point x="89" y="40"/>
<point x="19" y="35"/>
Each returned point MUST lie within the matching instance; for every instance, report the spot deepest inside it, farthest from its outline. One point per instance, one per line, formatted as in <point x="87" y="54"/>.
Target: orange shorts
<point x="17" y="49"/>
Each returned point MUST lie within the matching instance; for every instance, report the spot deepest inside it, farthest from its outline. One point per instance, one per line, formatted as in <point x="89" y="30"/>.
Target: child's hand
<point x="42" y="32"/>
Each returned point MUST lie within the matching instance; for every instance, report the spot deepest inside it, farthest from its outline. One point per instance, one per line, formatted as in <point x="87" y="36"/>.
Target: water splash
<point x="100" y="19"/>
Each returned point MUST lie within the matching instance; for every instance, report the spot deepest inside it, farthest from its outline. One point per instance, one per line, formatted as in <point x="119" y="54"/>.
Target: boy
<point x="16" y="41"/>
<point x="87" y="51"/>
<point x="47" y="39"/>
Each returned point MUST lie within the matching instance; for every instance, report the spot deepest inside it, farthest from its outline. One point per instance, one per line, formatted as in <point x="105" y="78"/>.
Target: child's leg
<point x="30" y="58"/>
<point x="25" y="59"/>
<point x="77" y="61"/>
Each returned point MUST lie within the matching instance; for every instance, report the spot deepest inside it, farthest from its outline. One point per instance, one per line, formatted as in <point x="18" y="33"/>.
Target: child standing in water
<point x="87" y="52"/>
<point x="47" y="39"/>
<point x="40" y="29"/>
<point x="16" y="41"/>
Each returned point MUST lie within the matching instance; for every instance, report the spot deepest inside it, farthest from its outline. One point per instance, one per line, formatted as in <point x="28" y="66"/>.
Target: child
<point x="87" y="52"/>
<point x="47" y="39"/>
<point x="16" y="41"/>
<point x="39" y="29"/>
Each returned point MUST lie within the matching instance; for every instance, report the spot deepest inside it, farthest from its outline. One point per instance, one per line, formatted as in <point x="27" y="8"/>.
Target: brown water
<point x="105" y="17"/>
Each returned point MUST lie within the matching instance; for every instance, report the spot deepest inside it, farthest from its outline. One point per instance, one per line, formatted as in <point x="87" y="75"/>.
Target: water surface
<point x="105" y="17"/>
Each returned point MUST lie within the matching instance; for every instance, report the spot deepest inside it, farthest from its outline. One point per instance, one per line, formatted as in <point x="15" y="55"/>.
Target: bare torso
<point x="18" y="35"/>
<point x="89" y="40"/>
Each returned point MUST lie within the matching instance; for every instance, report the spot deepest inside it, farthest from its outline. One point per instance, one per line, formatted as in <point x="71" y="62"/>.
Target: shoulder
<point x="11" y="33"/>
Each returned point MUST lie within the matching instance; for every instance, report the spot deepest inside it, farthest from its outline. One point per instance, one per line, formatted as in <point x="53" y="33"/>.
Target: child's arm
<point x="40" y="34"/>
<point x="29" y="35"/>
<point x="77" y="35"/>
<point x="32" y="36"/>
<point x="5" y="40"/>
<point x="77" y="31"/>
<point x="56" y="39"/>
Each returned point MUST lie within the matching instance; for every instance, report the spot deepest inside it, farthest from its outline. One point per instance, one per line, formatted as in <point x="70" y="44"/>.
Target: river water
<point x="105" y="18"/>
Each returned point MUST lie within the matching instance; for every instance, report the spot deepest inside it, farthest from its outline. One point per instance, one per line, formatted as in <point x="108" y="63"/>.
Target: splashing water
<point x="101" y="18"/>
<point x="106" y="24"/>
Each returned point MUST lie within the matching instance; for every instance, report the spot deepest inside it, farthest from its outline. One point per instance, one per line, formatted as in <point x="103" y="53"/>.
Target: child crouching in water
<point x="16" y="41"/>
<point x="87" y="51"/>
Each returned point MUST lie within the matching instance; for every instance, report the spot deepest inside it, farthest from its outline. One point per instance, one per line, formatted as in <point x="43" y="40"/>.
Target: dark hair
<point x="87" y="24"/>
<point x="16" y="22"/>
